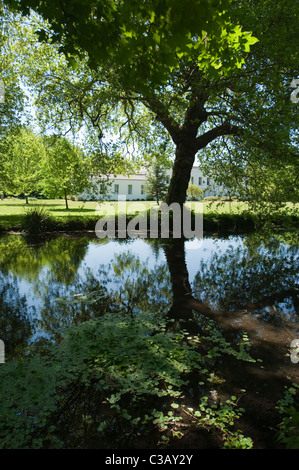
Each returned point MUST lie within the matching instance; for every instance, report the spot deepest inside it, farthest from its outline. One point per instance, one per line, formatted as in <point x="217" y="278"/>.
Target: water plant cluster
<point x="116" y="375"/>
<point x="107" y="372"/>
<point x="288" y="407"/>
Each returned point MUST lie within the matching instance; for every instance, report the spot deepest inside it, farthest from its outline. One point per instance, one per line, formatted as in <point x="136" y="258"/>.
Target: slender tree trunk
<point x="183" y="163"/>
<point x="65" y="198"/>
<point x="26" y="197"/>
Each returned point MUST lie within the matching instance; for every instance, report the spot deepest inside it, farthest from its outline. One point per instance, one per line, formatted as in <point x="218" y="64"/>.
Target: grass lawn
<point x="15" y="206"/>
<point x="12" y="210"/>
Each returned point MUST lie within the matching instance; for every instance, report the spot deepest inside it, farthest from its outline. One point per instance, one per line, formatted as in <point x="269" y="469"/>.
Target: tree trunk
<point x="26" y="197"/>
<point x="65" y="198"/>
<point x="183" y="163"/>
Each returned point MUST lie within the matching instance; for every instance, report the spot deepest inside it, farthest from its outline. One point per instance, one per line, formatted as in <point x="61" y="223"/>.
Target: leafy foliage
<point x="64" y="170"/>
<point x="288" y="408"/>
<point x="146" y="40"/>
<point x="125" y="357"/>
<point x="37" y="220"/>
<point x="111" y="376"/>
<point x="120" y="360"/>
<point x="156" y="186"/>
<point x="21" y="154"/>
<point x="151" y="66"/>
<point x="12" y="105"/>
<point x="260" y="165"/>
<point x="221" y="418"/>
<point x="194" y="192"/>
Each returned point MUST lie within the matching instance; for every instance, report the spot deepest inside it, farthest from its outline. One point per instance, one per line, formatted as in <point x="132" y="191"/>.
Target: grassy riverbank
<point x="217" y="214"/>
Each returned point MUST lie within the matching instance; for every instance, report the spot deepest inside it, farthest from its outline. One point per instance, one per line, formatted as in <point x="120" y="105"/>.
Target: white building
<point x="133" y="187"/>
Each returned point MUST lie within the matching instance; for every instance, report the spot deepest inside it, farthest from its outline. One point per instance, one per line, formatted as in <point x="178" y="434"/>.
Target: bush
<point x="36" y="220"/>
<point x="228" y="222"/>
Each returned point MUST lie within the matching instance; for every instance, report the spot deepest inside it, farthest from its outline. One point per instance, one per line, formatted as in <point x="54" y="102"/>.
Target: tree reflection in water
<point x="250" y="275"/>
<point x="16" y="329"/>
<point x="254" y="273"/>
<point x="67" y="291"/>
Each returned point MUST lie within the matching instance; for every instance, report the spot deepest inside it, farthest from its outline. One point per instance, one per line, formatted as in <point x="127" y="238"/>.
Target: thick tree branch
<point x="224" y="129"/>
<point x="195" y="115"/>
<point x="162" y="114"/>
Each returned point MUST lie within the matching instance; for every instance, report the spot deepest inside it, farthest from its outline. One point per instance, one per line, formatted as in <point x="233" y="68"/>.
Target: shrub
<point x="37" y="220"/>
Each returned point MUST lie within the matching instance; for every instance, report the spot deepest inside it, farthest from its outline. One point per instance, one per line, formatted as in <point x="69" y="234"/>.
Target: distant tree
<point x="156" y="186"/>
<point x="64" y="171"/>
<point x="194" y="192"/>
<point x="20" y="156"/>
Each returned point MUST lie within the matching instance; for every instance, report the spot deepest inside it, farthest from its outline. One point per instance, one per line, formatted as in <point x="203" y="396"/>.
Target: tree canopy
<point x="156" y="185"/>
<point x="12" y="97"/>
<point x="194" y="192"/>
<point x="20" y="156"/>
<point x="65" y="172"/>
<point x="145" y="40"/>
<point x="146" y="69"/>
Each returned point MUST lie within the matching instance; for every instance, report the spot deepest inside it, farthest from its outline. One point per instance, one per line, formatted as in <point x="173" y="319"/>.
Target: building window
<point x="142" y="189"/>
<point x="130" y="189"/>
<point x="116" y="188"/>
<point x="208" y="180"/>
<point x="191" y="179"/>
<point x="200" y="181"/>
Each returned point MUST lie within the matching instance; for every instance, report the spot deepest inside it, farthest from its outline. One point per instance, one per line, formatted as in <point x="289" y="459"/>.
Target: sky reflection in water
<point x="224" y="273"/>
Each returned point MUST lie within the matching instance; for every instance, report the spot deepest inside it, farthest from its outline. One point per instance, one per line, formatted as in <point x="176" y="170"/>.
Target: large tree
<point x="188" y="72"/>
<point x="64" y="170"/>
<point x="153" y="53"/>
<point x="20" y="156"/>
<point x="260" y="164"/>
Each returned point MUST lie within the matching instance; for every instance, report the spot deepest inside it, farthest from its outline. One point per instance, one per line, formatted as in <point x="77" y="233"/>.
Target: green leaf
<point x="174" y="405"/>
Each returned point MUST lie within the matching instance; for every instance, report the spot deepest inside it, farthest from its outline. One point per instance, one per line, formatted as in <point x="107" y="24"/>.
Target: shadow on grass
<point x="12" y="206"/>
<point x="71" y="210"/>
<point x="11" y="222"/>
<point x="50" y="207"/>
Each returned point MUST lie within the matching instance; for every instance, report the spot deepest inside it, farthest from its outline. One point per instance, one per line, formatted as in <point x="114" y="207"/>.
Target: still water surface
<point x="247" y="281"/>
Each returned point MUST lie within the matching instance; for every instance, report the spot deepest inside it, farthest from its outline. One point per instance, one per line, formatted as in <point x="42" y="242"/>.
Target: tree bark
<point x="187" y="146"/>
<point x="26" y="197"/>
<point x="186" y="139"/>
<point x="184" y="160"/>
